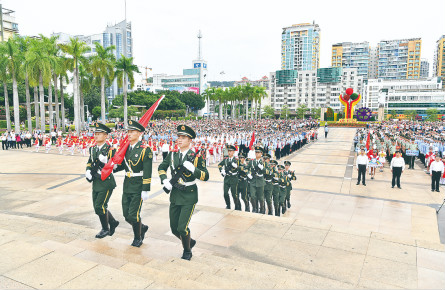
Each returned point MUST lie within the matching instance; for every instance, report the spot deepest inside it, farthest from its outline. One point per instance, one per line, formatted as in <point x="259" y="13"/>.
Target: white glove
<point x="103" y="158"/>
<point x="260" y="166"/>
<point x="115" y="166"/>
<point x="223" y="173"/>
<point x="250" y="176"/>
<point x="190" y="167"/>
<point x="289" y="176"/>
<point x="167" y="184"/>
<point x="234" y="165"/>
<point x="88" y="175"/>
<point x="144" y="195"/>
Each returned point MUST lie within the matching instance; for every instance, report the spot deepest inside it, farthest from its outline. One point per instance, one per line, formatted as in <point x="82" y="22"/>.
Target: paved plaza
<point x="335" y="235"/>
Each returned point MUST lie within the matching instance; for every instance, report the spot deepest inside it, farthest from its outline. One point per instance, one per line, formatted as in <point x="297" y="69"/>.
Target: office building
<point x="9" y="26"/>
<point x="400" y="95"/>
<point x="399" y="59"/>
<point x="439" y="59"/>
<point x="352" y="55"/>
<point x="424" y="68"/>
<point x="300" y="47"/>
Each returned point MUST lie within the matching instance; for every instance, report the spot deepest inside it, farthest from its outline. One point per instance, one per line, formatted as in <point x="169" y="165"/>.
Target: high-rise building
<point x="399" y="59"/>
<point x="352" y="55"/>
<point x="373" y="71"/>
<point x="9" y="26"/>
<point x="439" y="59"/>
<point x="424" y="68"/>
<point x="300" y="47"/>
<point x="118" y="35"/>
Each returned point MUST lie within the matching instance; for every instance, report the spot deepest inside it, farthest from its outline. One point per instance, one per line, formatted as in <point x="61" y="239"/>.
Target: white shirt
<point x="436" y="166"/>
<point x="398" y="162"/>
<point x="362" y="160"/>
<point x="164" y="147"/>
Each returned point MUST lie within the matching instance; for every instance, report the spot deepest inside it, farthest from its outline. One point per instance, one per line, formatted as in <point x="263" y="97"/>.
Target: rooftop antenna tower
<point x="199" y="47"/>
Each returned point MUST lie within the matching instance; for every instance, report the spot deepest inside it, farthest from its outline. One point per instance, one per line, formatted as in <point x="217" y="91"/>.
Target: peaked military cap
<point x="186" y="131"/>
<point x="102" y="128"/>
<point x="287" y="163"/>
<point x="258" y="149"/>
<point x="241" y="155"/>
<point x="267" y="156"/>
<point x="273" y="162"/>
<point x="280" y="167"/>
<point x="134" y="125"/>
<point x="231" y="147"/>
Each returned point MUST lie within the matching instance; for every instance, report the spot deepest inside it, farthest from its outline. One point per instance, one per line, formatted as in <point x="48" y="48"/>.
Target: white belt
<point x="189" y="183"/>
<point x="132" y="174"/>
<point x="259" y="175"/>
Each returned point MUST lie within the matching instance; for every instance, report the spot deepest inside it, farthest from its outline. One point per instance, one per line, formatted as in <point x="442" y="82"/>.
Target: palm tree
<point x="125" y="69"/>
<point x="61" y="72"/>
<point x="260" y="94"/>
<point x="4" y="79"/>
<point x="23" y="43"/>
<point x="38" y="64"/>
<point x="54" y="51"/>
<point x="208" y="95"/>
<point x="75" y="48"/>
<point x="10" y="50"/>
<point x="103" y="68"/>
<point x="85" y="82"/>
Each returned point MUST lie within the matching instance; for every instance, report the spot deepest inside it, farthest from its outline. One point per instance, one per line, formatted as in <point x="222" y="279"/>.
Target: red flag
<point x="119" y="156"/>
<point x="252" y="140"/>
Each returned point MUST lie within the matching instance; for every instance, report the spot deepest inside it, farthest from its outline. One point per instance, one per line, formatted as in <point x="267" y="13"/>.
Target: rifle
<point x="178" y="174"/>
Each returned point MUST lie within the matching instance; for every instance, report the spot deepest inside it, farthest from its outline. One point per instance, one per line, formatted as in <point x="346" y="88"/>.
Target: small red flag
<point x="252" y="140"/>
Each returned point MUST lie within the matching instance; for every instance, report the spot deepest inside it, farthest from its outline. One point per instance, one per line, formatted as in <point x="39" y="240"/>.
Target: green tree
<point x="119" y="112"/>
<point x="284" y="112"/>
<point x="301" y="110"/>
<point x="23" y="44"/>
<point x="316" y="112"/>
<point x="269" y="112"/>
<point x="103" y="68"/>
<point x="125" y="69"/>
<point x="4" y="78"/>
<point x="411" y="114"/>
<point x="96" y="112"/>
<point x="393" y="114"/>
<point x="194" y="101"/>
<point x="432" y="114"/>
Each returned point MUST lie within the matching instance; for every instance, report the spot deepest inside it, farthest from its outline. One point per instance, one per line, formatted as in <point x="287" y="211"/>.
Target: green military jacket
<point x="293" y="177"/>
<point x="257" y="173"/>
<point x="98" y="184"/>
<point x="190" y="195"/>
<point x="231" y="172"/>
<point x="138" y="168"/>
<point x="242" y="172"/>
<point x="275" y="177"/>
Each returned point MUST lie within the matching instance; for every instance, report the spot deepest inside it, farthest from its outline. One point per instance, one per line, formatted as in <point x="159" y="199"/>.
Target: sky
<point x="241" y="38"/>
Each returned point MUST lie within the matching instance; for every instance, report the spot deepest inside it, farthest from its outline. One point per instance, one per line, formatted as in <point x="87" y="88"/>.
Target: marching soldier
<point x="276" y="186"/>
<point x="242" y="181"/>
<point x="229" y="170"/>
<point x="256" y="175"/>
<point x="283" y="181"/>
<point x="268" y="188"/>
<point x="138" y="166"/>
<point x="102" y="190"/>
<point x="291" y="176"/>
<point x="184" y="199"/>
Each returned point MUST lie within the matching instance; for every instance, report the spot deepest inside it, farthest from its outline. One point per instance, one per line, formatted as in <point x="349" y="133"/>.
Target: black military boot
<point x="283" y="208"/>
<point x="277" y="210"/>
<point x="105" y="231"/>
<point x="237" y="204"/>
<point x="144" y="229"/>
<point x="186" y="245"/>
<point x="269" y="208"/>
<point x="263" y="207"/>
<point x="227" y="199"/>
<point x="113" y="223"/>
<point x="247" y="205"/>
<point x="137" y="241"/>
<point x="254" y="205"/>
<point x="288" y="203"/>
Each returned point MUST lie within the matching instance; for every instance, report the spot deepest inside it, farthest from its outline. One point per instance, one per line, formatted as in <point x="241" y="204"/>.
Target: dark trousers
<point x="361" y="173"/>
<point x="396" y="173"/>
<point x="164" y="155"/>
<point x="411" y="161"/>
<point x="5" y="145"/>
<point x="435" y="178"/>
<point x="325" y="134"/>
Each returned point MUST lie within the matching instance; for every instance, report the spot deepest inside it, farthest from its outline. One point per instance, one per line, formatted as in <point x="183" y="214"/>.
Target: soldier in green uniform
<point x="229" y="170"/>
<point x="183" y="201"/>
<point x="291" y="176"/>
<point x="283" y="184"/>
<point x="256" y="175"/>
<point x="242" y="181"/>
<point x="268" y="188"/>
<point x="138" y="166"/>
<point x="276" y="186"/>
<point x="102" y="190"/>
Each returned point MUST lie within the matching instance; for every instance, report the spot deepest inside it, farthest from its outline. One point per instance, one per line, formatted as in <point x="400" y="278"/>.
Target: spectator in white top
<point x="164" y="150"/>
<point x="436" y="171"/>
<point x="362" y="165"/>
<point x="397" y="167"/>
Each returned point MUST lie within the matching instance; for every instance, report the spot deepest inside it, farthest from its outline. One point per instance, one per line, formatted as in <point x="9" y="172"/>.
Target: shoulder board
<point x="143" y="146"/>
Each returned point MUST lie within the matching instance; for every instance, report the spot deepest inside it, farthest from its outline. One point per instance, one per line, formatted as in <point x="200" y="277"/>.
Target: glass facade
<point x="107" y="40"/>
<point x="119" y="49"/>
<point x="329" y="75"/>
<point x="286" y="76"/>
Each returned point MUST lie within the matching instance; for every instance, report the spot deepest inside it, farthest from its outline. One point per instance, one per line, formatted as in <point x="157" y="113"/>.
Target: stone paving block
<point x="50" y="271"/>
<point x="346" y="242"/>
<point x="305" y="234"/>
<point x="390" y="272"/>
<point x="392" y="251"/>
<point x="18" y="253"/>
<point x="372" y="284"/>
<point x="103" y="277"/>
<point x="6" y="283"/>
<point x="430" y="279"/>
<point x="430" y="259"/>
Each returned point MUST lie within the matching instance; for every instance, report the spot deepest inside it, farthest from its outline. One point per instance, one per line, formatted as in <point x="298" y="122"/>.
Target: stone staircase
<point x="113" y="263"/>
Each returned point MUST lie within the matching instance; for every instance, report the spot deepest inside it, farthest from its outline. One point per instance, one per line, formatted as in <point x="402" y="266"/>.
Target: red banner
<point x="119" y="156"/>
<point x="252" y="140"/>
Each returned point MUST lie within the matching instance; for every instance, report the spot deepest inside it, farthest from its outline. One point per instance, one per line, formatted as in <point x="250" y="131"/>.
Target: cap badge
<point x="131" y="122"/>
<point x="183" y="128"/>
